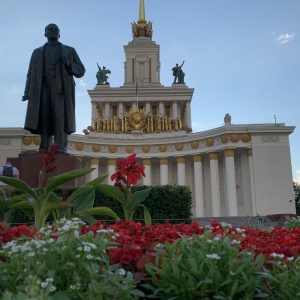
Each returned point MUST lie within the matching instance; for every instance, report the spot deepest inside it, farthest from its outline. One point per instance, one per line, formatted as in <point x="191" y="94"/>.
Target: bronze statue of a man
<point x="50" y="90"/>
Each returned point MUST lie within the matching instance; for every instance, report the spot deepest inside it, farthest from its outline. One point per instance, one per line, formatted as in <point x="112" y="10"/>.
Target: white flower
<point x="49" y="279"/>
<point x="87" y="248"/>
<point x="30" y="254"/>
<point x="122" y="272"/>
<point x="240" y="230"/>
<point x="44" y="284"/>
<point x="79" y="248"/>
<point x="72" y="287"/>
<point x="277" y="255"/>
<point x="52" y="288"/>
<point x="235" y="242"/>
<point x="89" y="256"/>
<point x="290" y="258"/>
<point x="213" y="256"/>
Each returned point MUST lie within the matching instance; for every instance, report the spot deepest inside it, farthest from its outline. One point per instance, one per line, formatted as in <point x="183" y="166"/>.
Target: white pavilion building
<point x="233" y="170"/>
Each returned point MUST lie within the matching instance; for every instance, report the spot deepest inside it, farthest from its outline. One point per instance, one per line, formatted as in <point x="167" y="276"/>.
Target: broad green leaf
<point x="147" y="216"/>
<point x="88" y="219"/>
<point x="112" y="191"/>
<point x="56" y="205"/>
<point x="139" y="197"/>
<point x="86" y="201"/>
<point x="99" y="211"/>
<point x="53" y="198"/>
<point x="80" y="193"/>
<point x="19" y="184"/>
<point x="58" y="180"/>
<point x="97" y="180"/>
<point x="21" y="205"/>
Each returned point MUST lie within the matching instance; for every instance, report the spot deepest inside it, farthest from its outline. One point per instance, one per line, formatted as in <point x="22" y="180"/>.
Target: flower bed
<point x="184" y="261"/>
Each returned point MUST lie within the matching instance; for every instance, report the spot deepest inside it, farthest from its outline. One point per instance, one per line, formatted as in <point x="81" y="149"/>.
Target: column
<point x="164" y="171"/>
<point x="111" y="167"/>
<point x="252" y="185"/>
<point x="147" y="165"/>
<point x="174" y="110"/>
<point x="181" y="170"/>
<point x="230" y="182"/>
<point x="188" y="119"/>
<point x="107" y="110"/>
<point x="121" y="110"/>
<point x="94" y="113"/>
<point x="94" y="162"/>
<point x="198" y="184"/>
<point x="215" y="184"/>
<point x="161" y="107"/>
<point x="148" y="107"/>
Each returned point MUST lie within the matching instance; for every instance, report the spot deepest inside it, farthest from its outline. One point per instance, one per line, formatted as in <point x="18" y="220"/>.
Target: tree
<point x="297" y="197"/>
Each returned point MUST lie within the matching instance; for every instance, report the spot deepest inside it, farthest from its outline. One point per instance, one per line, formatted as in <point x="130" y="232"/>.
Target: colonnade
<point x="106" y="110"/>
<point x="198" y="179"/>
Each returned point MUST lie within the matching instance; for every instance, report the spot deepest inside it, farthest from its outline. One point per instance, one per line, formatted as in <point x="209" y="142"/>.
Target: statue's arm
<point x="182" y="64"/>
<point x="28" y="80"/>
<point x="76" y="67"/>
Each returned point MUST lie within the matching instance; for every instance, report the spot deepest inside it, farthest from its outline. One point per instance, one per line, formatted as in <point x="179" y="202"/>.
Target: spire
<point x="142" y="28"/>
<point x="142" y="15"/>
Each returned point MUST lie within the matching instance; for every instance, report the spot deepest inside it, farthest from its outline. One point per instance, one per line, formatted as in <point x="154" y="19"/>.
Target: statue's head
<point x="176" y="65"/>
<point x="104" y="68"/>
<point x="52" y="32"/>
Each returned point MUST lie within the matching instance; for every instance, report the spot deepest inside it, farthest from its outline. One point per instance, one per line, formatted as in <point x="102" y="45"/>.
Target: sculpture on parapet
<point x="50" y="90"/>
<point x="178" y="74"/>
<point x="101" y="75"/>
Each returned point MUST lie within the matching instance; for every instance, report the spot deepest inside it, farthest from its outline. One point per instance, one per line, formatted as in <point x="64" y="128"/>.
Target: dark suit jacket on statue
<point x="64" y="83"/>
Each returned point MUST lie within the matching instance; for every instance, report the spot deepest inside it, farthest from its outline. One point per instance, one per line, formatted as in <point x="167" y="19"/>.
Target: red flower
<point x="129" y="171"/>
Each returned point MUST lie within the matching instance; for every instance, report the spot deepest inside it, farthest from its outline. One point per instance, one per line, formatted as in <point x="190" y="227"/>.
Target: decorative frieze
<point x="234" y="137"/>
<point x="179" y="146"/>
<point x="129" y="149"/>
<point x="112" y="149"/>
<point x="224" y="138"/>
<point x="246" y="137"/>
<point x="270" y="139"/>
<point x="162" y="148"/>
<point x="210" y="142"/>
<point x="146" y="148"/>
<point x="96" y="147"/>
<point x="26" y="140"/>
<point x="79" y="146"/>
<point x="37" y="140"/>
<point x="195" y="144"/>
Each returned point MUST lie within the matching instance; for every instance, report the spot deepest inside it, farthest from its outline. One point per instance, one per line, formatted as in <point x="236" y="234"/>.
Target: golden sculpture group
<point x="136" y="120"/>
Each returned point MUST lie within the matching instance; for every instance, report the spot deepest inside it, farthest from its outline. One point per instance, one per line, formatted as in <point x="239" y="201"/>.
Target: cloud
<point x="284" y="38"/>
<point x="297" y="179"/>
<point x="82" y="83"/>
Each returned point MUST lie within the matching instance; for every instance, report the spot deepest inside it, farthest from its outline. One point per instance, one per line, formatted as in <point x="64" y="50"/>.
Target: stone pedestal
<point x="30" y="165"/>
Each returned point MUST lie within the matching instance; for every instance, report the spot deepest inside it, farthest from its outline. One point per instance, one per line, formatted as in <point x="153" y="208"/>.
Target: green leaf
<point x="88" y="219"/>
<point x="19" y="184"/>
<point x="147" y="216"/>
<point x="112" y="191"/>
<point x="56" y="205"/>
<point x="99" y="211"/>
<point x="86" y="201"/>
<point x="21" y="205"/>
<point x="97" y="180"/>
<point x="58" y="180"/>
<point x="139" y="197"/>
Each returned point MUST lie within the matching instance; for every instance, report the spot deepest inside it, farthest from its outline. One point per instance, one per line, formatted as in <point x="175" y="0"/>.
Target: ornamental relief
<point x="270" y="139"/>
<point x="5" y="142"/>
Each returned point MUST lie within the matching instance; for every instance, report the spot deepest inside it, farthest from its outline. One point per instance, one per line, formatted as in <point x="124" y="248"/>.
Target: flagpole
<point x="137" y="93"/>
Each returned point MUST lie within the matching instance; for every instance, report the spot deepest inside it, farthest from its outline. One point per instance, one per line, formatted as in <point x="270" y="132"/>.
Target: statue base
<point x="29" y="166"/>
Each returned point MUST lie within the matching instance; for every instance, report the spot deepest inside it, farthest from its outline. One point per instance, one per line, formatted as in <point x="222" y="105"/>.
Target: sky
<point x="242" y="57"/>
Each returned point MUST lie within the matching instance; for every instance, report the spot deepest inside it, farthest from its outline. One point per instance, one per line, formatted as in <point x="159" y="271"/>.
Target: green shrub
<point x="168" y="202"/>
<point x="205" y="268"/>
<point x="69" y="267"/>
<point x="293" y="222"/>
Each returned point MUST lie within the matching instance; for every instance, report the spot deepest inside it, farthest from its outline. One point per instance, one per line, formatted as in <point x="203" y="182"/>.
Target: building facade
<point x="233" y="170"/>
